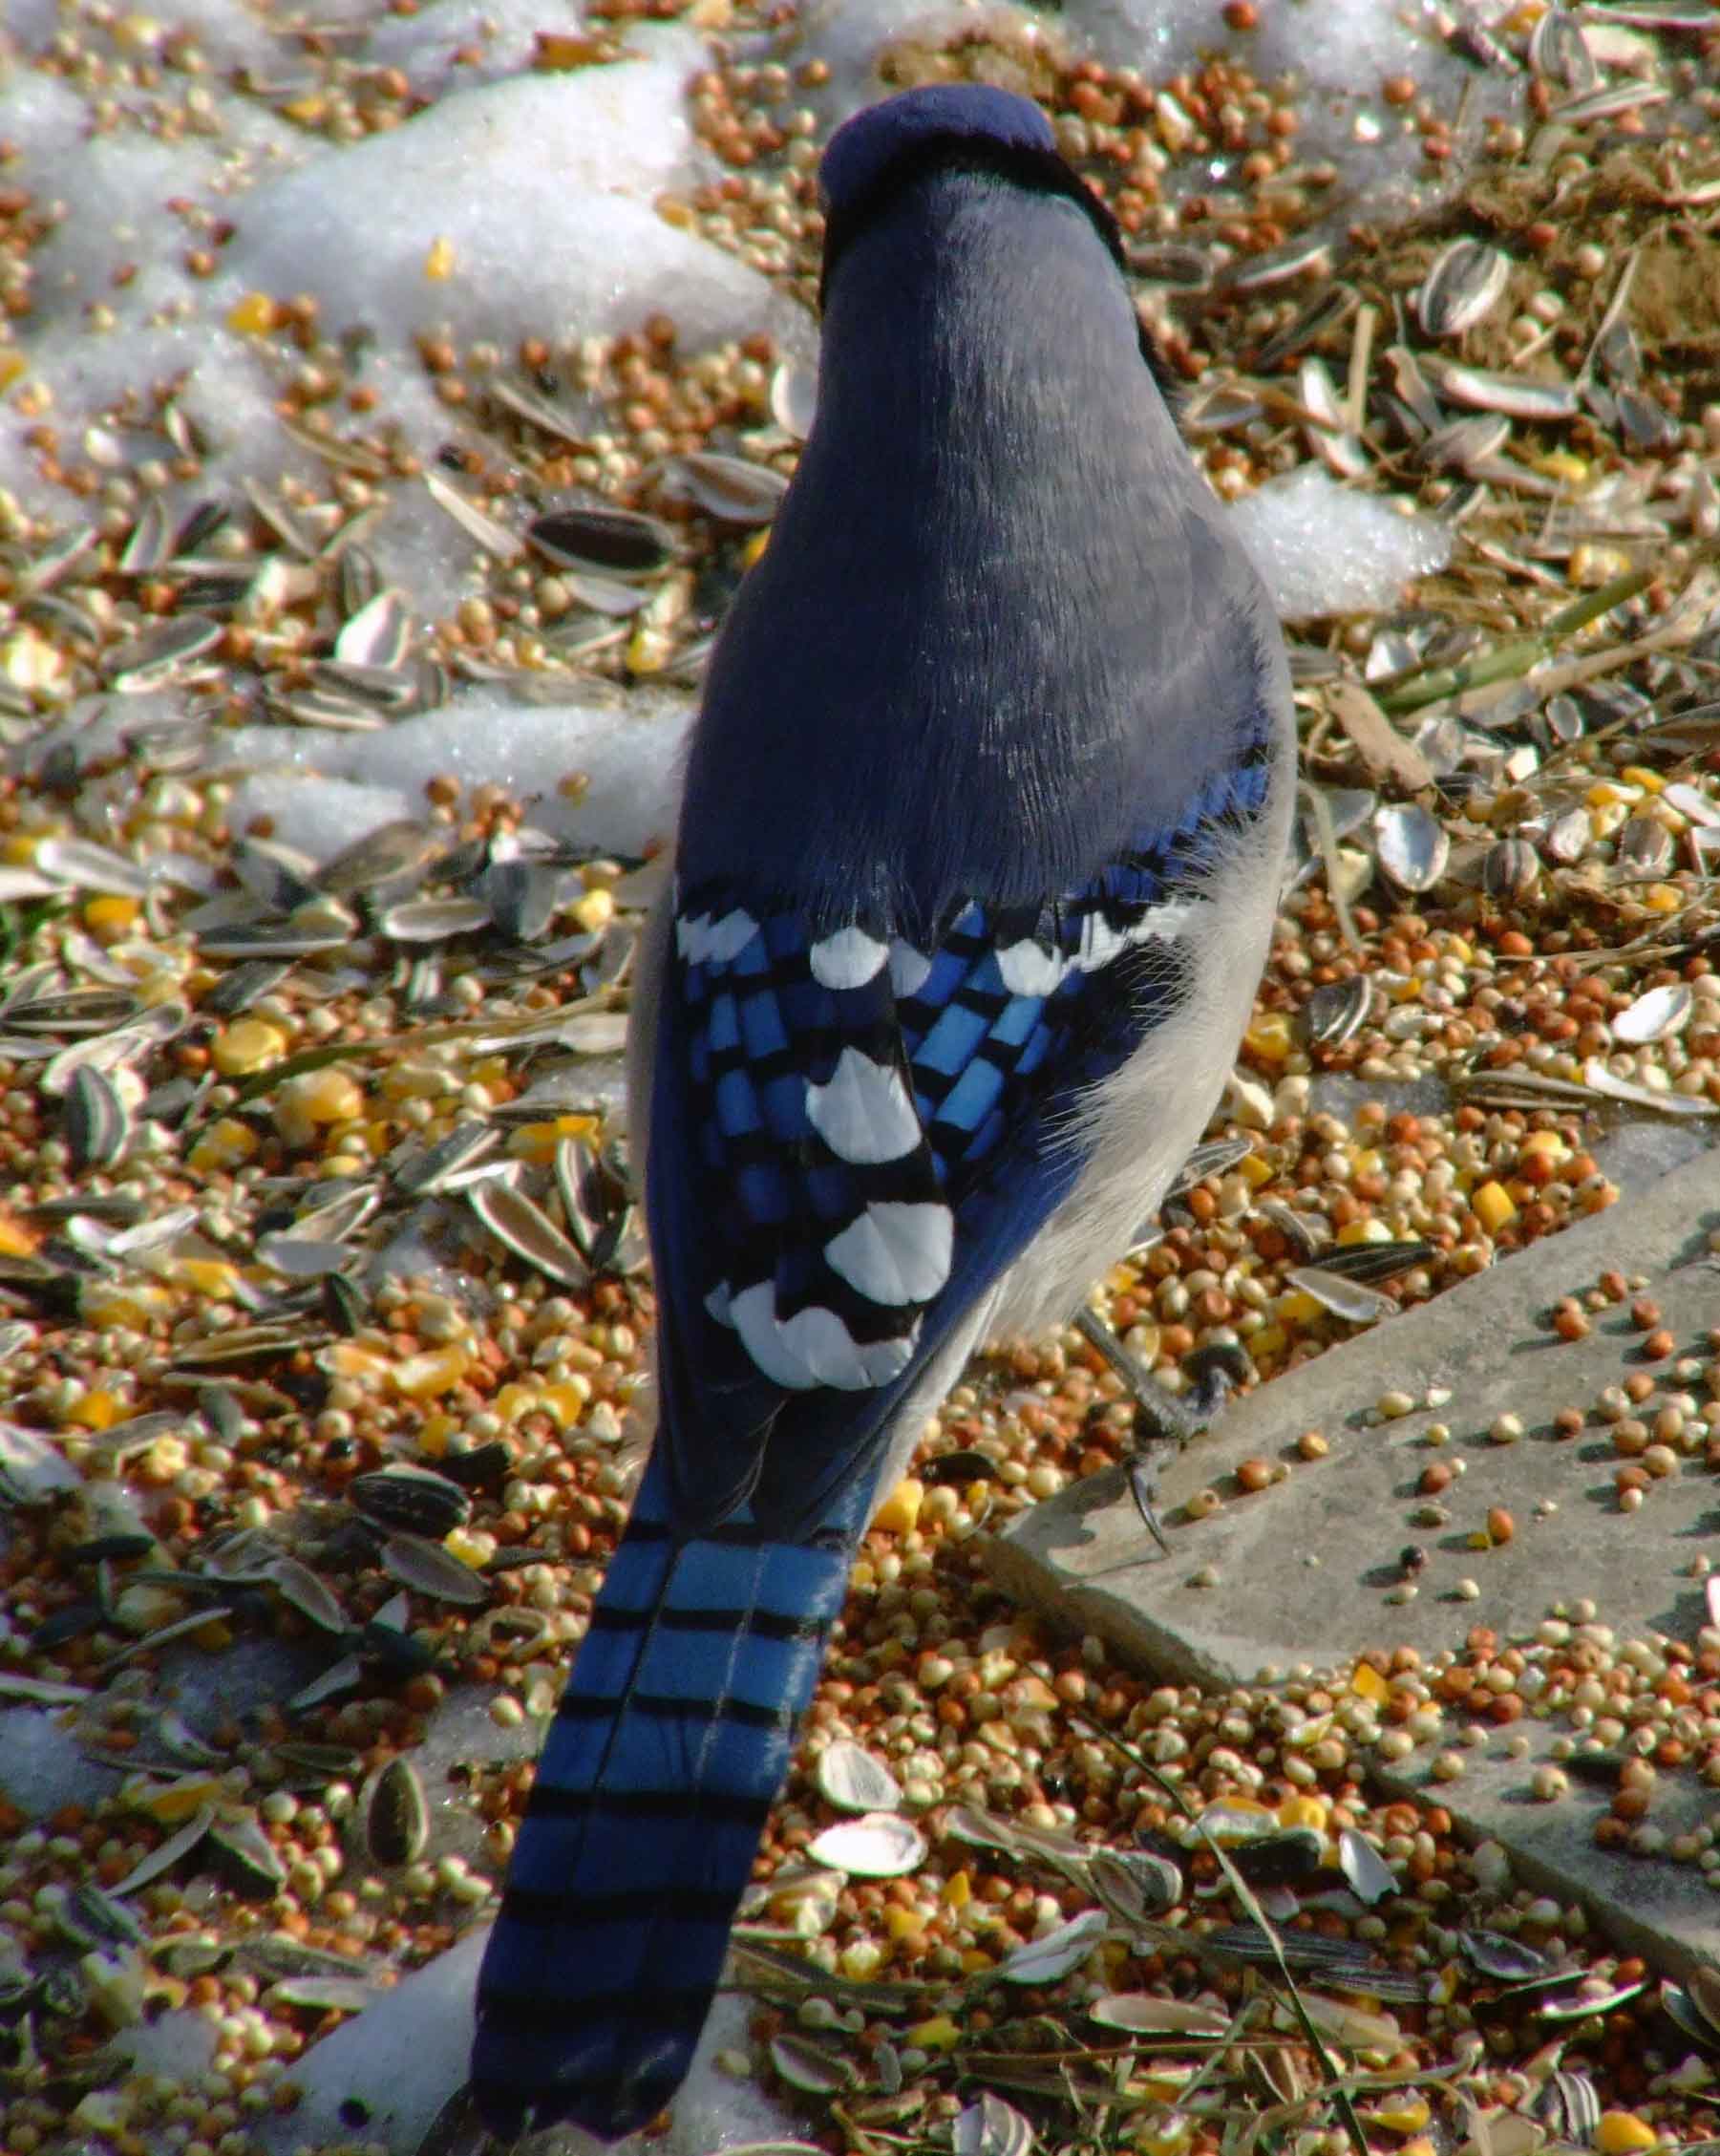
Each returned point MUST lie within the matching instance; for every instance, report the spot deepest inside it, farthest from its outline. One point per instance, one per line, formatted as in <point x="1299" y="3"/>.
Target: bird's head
<point x="948" y="126"/>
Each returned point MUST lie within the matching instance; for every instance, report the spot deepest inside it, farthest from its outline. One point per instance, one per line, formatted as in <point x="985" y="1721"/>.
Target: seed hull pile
<point x="323" y="1303"/>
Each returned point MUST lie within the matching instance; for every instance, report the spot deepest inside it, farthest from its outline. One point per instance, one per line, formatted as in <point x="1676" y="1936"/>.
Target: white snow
<point x="326" y="789"/>
<point x="43" y="1766"/>
<point x="520" y="206"/>
<point x="402" y="2059"/>
<point x="515" y="207"/>
<point x="1324" y="548"/>
<point x="1336" y="54"/>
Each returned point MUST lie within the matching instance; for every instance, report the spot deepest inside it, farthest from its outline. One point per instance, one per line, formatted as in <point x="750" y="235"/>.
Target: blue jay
<point x="982" y="829"/>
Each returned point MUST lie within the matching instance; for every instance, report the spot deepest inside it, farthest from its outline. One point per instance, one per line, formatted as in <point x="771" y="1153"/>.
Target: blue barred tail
<point x="664" y="1757"/>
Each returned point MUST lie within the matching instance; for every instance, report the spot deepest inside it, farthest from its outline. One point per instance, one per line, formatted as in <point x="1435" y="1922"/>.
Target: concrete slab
<point x="1307" y="1571"/>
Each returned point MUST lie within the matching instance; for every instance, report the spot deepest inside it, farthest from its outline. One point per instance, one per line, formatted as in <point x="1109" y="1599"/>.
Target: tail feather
<point x="664" y="1757"/>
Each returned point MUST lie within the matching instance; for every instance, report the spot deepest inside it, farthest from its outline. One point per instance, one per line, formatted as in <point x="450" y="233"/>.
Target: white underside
<point x="1140" y="1125"/>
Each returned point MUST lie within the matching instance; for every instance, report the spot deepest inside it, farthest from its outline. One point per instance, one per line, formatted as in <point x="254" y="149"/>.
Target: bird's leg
<point x="1164" y="1420"/>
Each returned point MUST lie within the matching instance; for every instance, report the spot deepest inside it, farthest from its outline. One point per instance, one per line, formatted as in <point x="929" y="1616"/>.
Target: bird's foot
<point x="1165" y="1421"/>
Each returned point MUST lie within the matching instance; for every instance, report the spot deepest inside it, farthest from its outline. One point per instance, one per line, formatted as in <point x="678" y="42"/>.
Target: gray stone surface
<point x="1303" y="1570"/>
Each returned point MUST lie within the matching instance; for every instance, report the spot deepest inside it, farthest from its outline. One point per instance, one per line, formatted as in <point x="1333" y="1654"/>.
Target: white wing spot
<point x="1164" y="922"/>
<point x="848" y="959"/>
<point x="700" y="938"/>
<point x="908" y="968"/>
<point x="895" y="1253"/>
<point x="864" y="1113"/>
<point x="814" y="1347"/>
<point x="1099" y="944"/>
<point x="1030" y="969"/>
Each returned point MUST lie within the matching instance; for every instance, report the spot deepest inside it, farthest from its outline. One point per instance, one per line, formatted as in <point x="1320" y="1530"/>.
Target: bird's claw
<point x="1165" y="1421"/>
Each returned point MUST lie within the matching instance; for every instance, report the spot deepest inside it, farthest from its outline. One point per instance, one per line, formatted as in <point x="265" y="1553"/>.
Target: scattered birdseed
<point x="230" y="1083"/>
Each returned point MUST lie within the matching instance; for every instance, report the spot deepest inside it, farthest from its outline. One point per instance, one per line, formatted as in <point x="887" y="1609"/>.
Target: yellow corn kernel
<point x="1619" y="2132"/>
<point x="1304" y="1810"/>
<point x="900" y="1509"/>
<point x="338" y="1166"/>
<point x="253" y="316"/>
<point x="97" y="1410"/>
<point x="1255" y="1169"/>
<point x="1639" y="774"/>
<point x="861" y="1960"/>
<point x="135" y="1306"/>
<point x="439" y="263"/>
<point x="1269" y="1036"/>
<point x="110" y="915"/>
<point x="647" y="649"/>
<point x="329" y="1097"/>
<point x="227" y="1143"/>
<point x="1299" y="1309"/>
<point x="1563" y="465"/>
<point x="565" y="1401"/>
<point x="1219" y="1818"/>
<point x="435" y="1433"/>
<point x="1367" y="1683"/>
<point x="903" y="1923"/>
<point x="1403" y="2116"/>
<point x="472" y="1550"/>
<point x="247" y="1046"/>
<point x="346" y="1358"/>
<point x="437" y="1370"/>
<point x="940" y="2033"/>
<point x="418" y="1081"/>
<point x="957" y="1889"/>
<point x="594" y="912"/>
<point x="211" y="1277"/>
<point x="1365" y="1230"/>
<point x="15" y="1239"/>
<point x="171" y="1804"/>
<point x="1662" y="898"/>
<point x="1492" y="1207"/>
<point x="1547" y="1142"/>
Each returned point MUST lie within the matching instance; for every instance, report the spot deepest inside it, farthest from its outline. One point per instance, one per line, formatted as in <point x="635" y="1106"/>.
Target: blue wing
<point x="855" y="1134"/>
